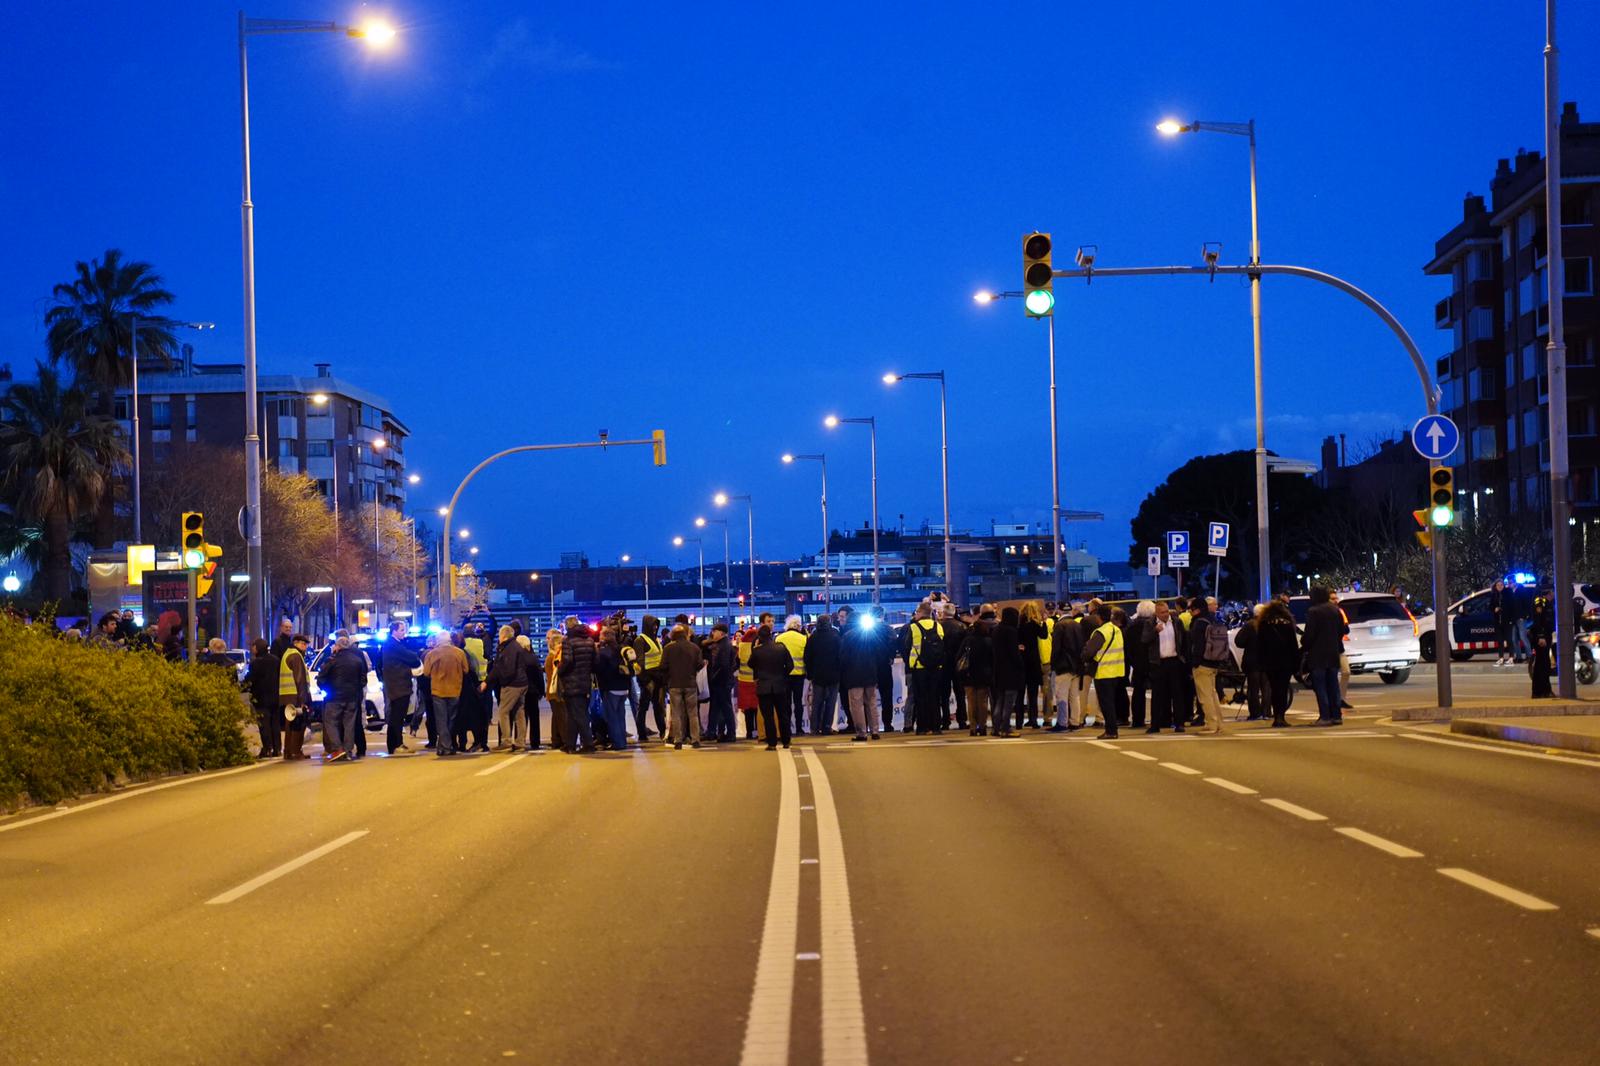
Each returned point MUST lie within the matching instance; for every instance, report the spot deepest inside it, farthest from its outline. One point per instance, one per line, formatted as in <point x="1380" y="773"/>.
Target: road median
<point x="1571" y="731"/>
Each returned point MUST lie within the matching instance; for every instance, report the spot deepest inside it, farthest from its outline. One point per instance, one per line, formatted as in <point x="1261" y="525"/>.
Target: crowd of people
<point x="993" y="671"/>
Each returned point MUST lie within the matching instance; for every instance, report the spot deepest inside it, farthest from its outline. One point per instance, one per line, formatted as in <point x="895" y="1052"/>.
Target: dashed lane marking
<point x="287" y="868"/>
<point x="1296" y="810"/>
<point x="1231" y="786"/>
<point x="1182" y="769"/>
<point x="1498" y="890"/>
<point x="130" y="794"/>
<point x="1399" y="851"/>
<point x="1141" y="756"/>
<point x="1106" y="744"/>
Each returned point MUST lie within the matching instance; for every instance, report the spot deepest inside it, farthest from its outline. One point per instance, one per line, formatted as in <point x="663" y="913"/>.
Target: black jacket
<point x="1066" y="646"/>
<point x="1324" y="637"/>
<point x="608" y="673"/>
<point x="1031" y="633"/>
<point x="860" y="651"/>
<point x="955" y="634"/>
<point x="1278" y="647"/>
<point x="577" y="664"/>
<point x="510" y="668"/>
<point x="1133" y="635"/>
<point x="281" y="644"/>
<point x="1009" y="673"/>
<point x="262" y="680"/>
<point x="1199" y="627"/>
<point x="1249" y="641"/>
<point x="823" y="654"/>
<point x="978" y="645"/>
<point x="771" y="664"/>
<point x="722" y="662"/>
<point x="1150" y="641"/>
<point x="398" y="662"/>
<point x="344" y="676"/>
<point x="680" y="664"/>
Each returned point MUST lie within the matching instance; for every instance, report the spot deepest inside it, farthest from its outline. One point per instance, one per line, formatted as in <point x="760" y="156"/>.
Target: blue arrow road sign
<point x="1217" y="539"/>
<point x="1178" y="543"/>
<point x="1435" y="437"/>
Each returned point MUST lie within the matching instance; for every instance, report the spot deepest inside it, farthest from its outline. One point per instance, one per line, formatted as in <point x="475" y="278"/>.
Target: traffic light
<point x="192" y="540"/>
<point x="659" y="436"/>
<point x="1442" y="496"/>
<point x="1424" y="535"/>
<point x="1038" y="276"/>
<point x="208" y="571"/>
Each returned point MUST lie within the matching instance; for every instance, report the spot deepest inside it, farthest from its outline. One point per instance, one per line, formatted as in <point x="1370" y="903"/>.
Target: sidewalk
<point x="1572" y="731"/>
<point x="1493" y="707"/>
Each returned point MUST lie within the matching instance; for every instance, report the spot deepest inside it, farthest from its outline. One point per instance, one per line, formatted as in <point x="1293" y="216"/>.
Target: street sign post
<point x="1435" y="438"/>
<point x="1178" y="553"/>
<point x="1217" y="548"/>
<point x="1152" y="565"/>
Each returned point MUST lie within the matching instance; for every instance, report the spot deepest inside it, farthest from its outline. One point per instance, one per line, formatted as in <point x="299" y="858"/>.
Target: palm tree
<point x="90" y="328"/>
<point x="56" y="458"/>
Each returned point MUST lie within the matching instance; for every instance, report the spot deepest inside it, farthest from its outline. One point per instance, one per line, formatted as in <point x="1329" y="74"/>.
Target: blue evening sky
<point x="528" y="222"/>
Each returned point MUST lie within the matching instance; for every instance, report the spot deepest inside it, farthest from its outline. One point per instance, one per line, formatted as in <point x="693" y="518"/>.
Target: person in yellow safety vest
<point x="474" y="649"/>
<point x="1047" y="682"/>
<point x="652" y="677"/>
<point x="793" y="638"/>
<point x="294" y="696"/>
<point x="1106" y="652"/>
<point x="923" y="648"/>
<point x="746" y="687"/>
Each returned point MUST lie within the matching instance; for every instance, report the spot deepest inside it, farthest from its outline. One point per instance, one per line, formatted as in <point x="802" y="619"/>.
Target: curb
<point x="1543" y="737"/>
<point x="1531" y="709"/>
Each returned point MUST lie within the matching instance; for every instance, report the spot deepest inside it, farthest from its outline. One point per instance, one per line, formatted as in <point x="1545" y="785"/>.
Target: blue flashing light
<point x="434" y="628"/>
<point x="1522" y="577"/>
<point x="867" y="621"/>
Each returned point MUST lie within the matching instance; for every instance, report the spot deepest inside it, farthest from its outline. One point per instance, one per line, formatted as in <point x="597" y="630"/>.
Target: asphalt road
<point x="1373" y="894"/>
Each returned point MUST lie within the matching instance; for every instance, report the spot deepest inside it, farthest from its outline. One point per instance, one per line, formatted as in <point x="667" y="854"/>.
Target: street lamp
<point x="944" y="470"/>
<point x="722" y="499"/>
<point x="727" y="593"/>
<point x="678" y="542"/>
<point x="871" y="422"/>
<point x="827" y="588"/>
<point x="375" y="33"/>
<point x="414" y="479"/>
<point x="1171" y="128"/>
<point x="534" y="577"/>
<point x="133" y="350"/>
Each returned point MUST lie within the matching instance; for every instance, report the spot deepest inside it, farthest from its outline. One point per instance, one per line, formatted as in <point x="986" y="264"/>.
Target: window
<point x="1480" y="265"/>
<point x="1576" y="209"/>
<point x="369" y="490"/>
<point x="160" y="452"/>
<point x="188" y="413"/>
<point x="1480" y="324"/>
<point x="319" y="449"/>
<point x="1481" y="384"/>
<point x="1579" y="277"/>
<point x="1581" y="352"/>
<point x="1532" y="495"/>
<point x="286" y="449"/>
<point x="325" y="487"/>
<point x="1526" y="224"/>
<point x="1530" y="361"/>
<point x="1505" y="242"/>
<point x="1532" y="427"/>
<point x="1586" y="485"/>
<point x="281" y="408"/>
<point x="1484" y="444"/>
<point x="161" y="413"/>
<point x="119" y="408"/>
<point x="1511" y="371"/>
<point x="371" y="418"/>
<point x="1511" y="434"/>
<point x="1581" y="421"/>
<point x="1510" y="308"/>
<point x="1512" y="500"/>
<point x="1525" y="293"/>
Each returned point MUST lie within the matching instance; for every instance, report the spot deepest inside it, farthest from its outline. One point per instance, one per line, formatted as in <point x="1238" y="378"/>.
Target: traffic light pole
<point x="1443" y="639"/>
<point x="192" y="623"/>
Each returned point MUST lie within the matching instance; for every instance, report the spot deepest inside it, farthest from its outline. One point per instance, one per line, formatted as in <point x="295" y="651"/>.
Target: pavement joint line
<point x="1178" y="767"/>
<point x="1231" y="786"/>
<point x="287" y="868"/>
<point x="1399" y="851"/>
<point x="1491" y="747"/>
<point x="1141" y="756"/>
<point x="1498" y="890"/>
<point x="844" y="1028"/>
<point x="766" y="1033"/>
<point x="130" y="794"/>
<point x="1296" y="810"/>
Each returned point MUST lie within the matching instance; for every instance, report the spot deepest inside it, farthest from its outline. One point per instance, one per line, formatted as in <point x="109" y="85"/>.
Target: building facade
<point x="1493" y="380"/>
<point x="318" y="425"/>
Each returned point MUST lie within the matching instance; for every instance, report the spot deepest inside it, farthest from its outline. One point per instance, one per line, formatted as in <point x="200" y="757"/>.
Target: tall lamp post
<point x="375" y="33"/>
<point x="1556" y="365"/>
<point x="535" y="577"/>
<point x="678" y="542"/>
<point x="722" y="499"/>
<point x="871" y="422"/>
<point x="134" y="321"/>
<point x="1172" y="128"/>
<point x="944" y="468"/>
<point x="827" y="585"/>
<point x="727" y="583"/>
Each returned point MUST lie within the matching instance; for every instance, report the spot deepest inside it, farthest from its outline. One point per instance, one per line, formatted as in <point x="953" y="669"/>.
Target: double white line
<point x="767" y="1032"/>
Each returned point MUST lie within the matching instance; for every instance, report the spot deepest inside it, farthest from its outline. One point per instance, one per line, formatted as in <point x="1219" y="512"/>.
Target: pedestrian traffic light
<point x="1424" y="535"/>
<point x="1442" y="496"/>
<point x="659" y="437"/>
<point x="192" y="540"/>
<point x="1038" y="276"/>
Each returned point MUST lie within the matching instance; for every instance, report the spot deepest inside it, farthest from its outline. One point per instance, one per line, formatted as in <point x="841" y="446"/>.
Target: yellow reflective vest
<point x="652" y="651"/>
<point x="1109" y="661"/>
<point x="918" y="631"/>
<point x="287" y="686"/>
<point x="1044" y="643"/>
<point x="746" y="646"/>
<point x="795" y="641"/>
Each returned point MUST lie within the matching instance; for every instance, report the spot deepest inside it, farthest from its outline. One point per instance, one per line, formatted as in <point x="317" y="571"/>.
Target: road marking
<point x="1297" y="811"/>
<point x="1353" y="734"/>
<point x="1141" y="756"/>
<point x="1595" y="932"/>
<point x="1182" y="769"/>
<point x="1495" y="888"/>
<point x="119" y="797"/>
<point x="496" y="768"/>
<point x="1106" y="744"/>
<point x="844" y="1027"/>
<point x="287" y="868"/>
<point x="1223" y="782"/>
<point x="808" y="862"/>
<point x="1493" y="749"/>
<point x="1399" y="851"/>
<point x="766" y="1033"/>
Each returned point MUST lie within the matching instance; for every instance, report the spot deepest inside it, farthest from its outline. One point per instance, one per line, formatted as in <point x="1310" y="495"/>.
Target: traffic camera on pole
<point x="1442" y="496"/>
<point x="192" y="540"/>
<point x="1038" y="276"/>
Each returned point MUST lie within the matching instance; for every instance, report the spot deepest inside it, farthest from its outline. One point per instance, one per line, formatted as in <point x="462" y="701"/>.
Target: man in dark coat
<point x="1320" y="649"/>
<point x="955" y="634"/>
<point x="822" y="669"/>
<point x="577" y="681"/>
<point x="1009" y="672"/>
<point x="396" y="661"/>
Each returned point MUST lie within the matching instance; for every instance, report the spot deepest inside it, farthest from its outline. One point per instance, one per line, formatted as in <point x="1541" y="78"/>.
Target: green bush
<point x="75" y="718"/>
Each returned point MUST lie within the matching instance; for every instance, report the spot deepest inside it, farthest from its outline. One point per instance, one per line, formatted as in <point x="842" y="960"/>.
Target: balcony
<point x="1442" y="318"/>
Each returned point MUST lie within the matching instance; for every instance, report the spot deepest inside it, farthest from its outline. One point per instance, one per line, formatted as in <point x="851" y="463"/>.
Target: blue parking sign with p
<point x="1217" y="539"/>
<point x="1178" y="542"/>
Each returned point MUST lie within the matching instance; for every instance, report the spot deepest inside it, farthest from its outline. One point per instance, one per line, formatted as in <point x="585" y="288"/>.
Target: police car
<point x="1472" y="626"/>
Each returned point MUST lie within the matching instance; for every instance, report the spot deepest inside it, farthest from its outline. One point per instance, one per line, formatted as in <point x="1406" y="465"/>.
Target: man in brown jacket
<point x="682" y="658"/>
<point x="445" y="667"/>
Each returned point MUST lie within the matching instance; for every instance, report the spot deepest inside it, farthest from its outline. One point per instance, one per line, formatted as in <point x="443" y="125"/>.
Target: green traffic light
<point x="1039" y="302"/>
<point x="1442" y="516"/>
<point x="194" y="559"/>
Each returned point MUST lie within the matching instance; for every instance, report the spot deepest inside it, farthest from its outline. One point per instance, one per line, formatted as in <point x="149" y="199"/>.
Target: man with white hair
<point x="794" y="638"/>
<point x="509" y="675"/>
<point x="344" y="680"/>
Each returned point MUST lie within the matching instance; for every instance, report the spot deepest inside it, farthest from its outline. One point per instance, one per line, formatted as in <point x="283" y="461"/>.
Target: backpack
<point x="629" y="662"/>
<point x="930" y="655"/>
<point x="1216" y="646"/>
<point x="964" y="658"/>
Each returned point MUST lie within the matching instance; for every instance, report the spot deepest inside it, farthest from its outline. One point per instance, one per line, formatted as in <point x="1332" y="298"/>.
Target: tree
<point x="89" y="325"/>
<point x="1221" y="488"/>
<point x="56" y="459"/>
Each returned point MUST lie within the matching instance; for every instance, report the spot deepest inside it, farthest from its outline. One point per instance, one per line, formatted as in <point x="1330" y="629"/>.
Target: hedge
<point x="77" y="718"/>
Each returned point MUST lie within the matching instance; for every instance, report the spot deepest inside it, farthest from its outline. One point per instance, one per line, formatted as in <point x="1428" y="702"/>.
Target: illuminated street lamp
<point x="678" y="542"/>
<point x="871" y="422"/>
<point x="722" y="499"/>
<point x="822" y="459"/>
<point x="727" y="594"/>
<point x="944" y="468"/>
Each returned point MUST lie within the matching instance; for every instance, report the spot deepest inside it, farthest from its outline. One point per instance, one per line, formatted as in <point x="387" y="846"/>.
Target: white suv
<point x="1383" y="633"/>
